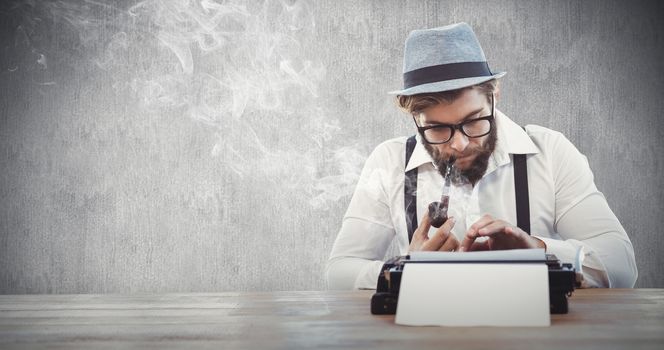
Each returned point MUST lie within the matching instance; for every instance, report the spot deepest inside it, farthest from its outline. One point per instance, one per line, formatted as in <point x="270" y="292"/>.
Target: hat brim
<point x="446" y="85"/>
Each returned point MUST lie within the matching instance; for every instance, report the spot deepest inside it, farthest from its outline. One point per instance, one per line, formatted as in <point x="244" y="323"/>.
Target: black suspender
<point x="520" y="191"/>
<point x="410" y="190"/>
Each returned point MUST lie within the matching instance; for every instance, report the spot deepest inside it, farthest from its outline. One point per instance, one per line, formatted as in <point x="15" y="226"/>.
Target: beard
<point x="477" y="167"/>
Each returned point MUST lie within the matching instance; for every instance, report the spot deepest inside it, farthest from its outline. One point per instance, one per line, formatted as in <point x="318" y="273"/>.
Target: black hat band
<point x="443" y="72"/>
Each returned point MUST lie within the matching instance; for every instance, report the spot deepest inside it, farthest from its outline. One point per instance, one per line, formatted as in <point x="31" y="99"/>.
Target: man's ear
<point x="496" y="93"/>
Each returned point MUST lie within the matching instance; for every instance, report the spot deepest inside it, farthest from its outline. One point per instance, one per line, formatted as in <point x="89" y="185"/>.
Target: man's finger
<point x="423" y="229"/>
<point x="468" y="241"/>
<point x="515" y="231"/>
<point x="483" y="221"/>
<point x="441" y="235"/>
<point x="492" y="228"/>
<point x="472" y="233"/>
<point x="451" y="244"/>
<point x="483" y="245"/>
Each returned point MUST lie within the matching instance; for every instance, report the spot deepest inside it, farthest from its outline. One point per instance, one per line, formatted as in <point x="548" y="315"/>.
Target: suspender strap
<point x="410" y="190"/>
<point x="521" y="192"/>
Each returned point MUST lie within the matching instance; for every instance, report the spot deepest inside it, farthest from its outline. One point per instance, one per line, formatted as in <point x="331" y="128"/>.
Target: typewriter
<point x="562" y="280"/>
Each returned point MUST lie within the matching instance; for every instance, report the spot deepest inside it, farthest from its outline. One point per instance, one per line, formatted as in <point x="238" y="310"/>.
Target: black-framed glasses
<point x="443" y="133"/>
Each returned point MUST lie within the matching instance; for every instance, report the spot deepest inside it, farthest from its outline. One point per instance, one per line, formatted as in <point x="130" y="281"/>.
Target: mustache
<point x="476" y="169"/>
<point x="479" y="151"/>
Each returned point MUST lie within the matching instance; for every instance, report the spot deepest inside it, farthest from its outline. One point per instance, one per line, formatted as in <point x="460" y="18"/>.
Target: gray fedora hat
<point x="443" y="59"/>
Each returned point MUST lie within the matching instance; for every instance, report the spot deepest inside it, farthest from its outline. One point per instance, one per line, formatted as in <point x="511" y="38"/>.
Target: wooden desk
<point x="598" y="319"/>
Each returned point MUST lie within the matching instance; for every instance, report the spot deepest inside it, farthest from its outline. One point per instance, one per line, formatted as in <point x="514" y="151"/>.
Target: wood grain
<point x="598" y="319"/>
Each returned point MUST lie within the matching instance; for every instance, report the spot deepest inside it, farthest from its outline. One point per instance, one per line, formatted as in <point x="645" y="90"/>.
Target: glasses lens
<point x="438" y="134"/>
<point x="476" y="128"/>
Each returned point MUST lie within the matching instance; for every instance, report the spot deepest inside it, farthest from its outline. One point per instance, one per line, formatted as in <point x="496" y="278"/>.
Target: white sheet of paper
<point x="474" y="294"/>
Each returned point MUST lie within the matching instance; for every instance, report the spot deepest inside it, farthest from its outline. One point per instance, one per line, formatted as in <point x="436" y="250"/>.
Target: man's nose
<point x="459" y="142"/>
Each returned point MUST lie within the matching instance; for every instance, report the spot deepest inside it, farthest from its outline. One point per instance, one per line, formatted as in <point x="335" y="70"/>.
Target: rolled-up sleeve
<point x="608" y="253"/>
<point x="356" y="257"/>
<point x="585" y="221"/>
<point x="366" y="230"/>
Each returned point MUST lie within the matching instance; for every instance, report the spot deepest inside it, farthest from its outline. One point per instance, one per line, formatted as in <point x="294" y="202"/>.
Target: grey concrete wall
<point x="162" y="146"/>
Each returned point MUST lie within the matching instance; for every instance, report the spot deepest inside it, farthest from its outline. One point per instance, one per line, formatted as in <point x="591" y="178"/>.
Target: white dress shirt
<point x="567" y="211"/>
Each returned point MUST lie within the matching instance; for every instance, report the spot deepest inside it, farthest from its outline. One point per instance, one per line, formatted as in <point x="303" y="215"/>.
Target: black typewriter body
<point x="562" y="281"/>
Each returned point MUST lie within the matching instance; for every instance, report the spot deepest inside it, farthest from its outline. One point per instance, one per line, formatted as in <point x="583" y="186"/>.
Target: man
<point x="513" y="187"/>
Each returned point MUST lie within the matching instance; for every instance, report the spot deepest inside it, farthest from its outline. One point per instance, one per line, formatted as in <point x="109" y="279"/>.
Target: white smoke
<point x="237" y="67"/>
<point x="243" y="68"/>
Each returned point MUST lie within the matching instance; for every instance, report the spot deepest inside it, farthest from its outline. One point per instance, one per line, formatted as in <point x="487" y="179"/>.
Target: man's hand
<point x="443" y="240"/>
<point x="501" y="235"/>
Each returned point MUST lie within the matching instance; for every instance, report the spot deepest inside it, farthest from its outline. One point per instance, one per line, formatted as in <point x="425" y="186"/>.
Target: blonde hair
<point x="417" y="103"/>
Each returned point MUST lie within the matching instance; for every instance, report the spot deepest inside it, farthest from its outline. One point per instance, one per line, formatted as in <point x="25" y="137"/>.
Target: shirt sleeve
<point x="585" y="221"/>
<point x="366" y="230"/>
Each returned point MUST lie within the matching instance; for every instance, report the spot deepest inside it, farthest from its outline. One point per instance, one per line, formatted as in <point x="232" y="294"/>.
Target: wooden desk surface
<point x="598" y="319"/>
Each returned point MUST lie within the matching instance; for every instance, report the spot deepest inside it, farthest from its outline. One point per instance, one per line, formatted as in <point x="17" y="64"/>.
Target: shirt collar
<point x="512" y="139"/>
